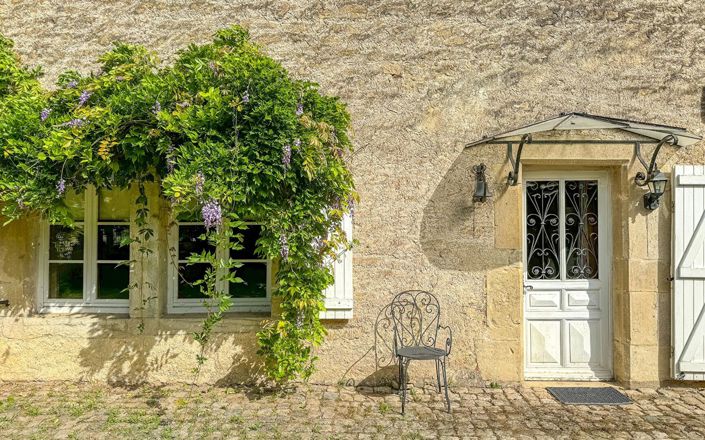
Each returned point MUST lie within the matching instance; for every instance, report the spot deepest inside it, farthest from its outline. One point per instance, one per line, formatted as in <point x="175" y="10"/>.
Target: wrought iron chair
<point x="416" y="316"/>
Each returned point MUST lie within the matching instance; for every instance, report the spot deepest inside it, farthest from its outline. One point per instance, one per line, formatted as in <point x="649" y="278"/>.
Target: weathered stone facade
<point x="421" y="79"/>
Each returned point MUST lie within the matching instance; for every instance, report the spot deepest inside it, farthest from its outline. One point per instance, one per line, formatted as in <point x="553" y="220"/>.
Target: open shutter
<point x="689" y="272"/>
<point x="339" y="296"/>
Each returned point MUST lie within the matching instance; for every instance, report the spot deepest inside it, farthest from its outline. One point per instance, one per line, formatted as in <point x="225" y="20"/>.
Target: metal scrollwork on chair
<point x="416" y="317"/>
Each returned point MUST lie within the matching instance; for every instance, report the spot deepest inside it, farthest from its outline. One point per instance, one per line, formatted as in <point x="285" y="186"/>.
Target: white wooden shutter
<point x="339" y="296"/>
<point x="688" y="324"/>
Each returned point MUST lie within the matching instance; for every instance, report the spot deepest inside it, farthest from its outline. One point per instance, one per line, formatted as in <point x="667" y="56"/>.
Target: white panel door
<point x="688" y="300"/>
<point x="567" y="265"/>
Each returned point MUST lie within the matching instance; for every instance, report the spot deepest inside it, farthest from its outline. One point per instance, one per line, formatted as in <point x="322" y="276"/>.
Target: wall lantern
<point x="654" y="179"/>
<point x="482" y="192"/>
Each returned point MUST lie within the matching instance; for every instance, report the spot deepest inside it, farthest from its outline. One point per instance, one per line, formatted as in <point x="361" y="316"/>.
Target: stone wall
<point x="421" y="79"/>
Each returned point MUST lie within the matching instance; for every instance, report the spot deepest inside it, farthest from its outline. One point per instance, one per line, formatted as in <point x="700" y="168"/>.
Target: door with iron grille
<point x="567" y="323"/>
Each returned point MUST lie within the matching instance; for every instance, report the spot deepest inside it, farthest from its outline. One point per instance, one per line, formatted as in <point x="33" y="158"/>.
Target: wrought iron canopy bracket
<point x="651" y="168"/>
<point x="513" y="177"/>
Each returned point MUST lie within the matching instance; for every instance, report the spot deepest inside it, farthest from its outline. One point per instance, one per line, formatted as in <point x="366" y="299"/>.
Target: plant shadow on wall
<point x="120" y="354"/>
<point x="227" y="137"/>
<point x="457" y="233"/>
<point x="123" y="355"/>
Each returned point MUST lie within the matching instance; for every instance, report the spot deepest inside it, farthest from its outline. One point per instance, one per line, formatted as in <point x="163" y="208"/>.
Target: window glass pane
<point x="75" y="203"/>
<point x="109" y="239"/>
<point x="66" y="280"/>
<point x="254" y="276"/>
<point x="114" y="205"/>
<point x="189" y="241"/>
<point x="65" y="243"/>
<point x="113" y="281"/>
<point x="250" y="237"/>
<point x="581" y="229"/>
<point x="542" y="230"/>
<point x="188" y="274"/>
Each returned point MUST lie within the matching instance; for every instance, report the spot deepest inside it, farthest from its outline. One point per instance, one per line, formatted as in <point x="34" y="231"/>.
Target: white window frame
<point x="90" y="302"/>
<point x="178" y="305"/>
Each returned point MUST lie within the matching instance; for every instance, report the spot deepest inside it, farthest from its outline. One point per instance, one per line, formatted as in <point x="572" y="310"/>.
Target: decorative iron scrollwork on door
<point x="542" y="230"/>
<point x="581" y="239"/>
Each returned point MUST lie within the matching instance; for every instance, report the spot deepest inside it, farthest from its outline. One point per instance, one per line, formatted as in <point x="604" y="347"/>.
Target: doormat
<point x="589" y="396"/>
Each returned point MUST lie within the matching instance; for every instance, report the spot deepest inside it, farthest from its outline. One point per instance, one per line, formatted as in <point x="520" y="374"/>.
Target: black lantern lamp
<point x="654" y="179"/>
<point x="657" y="186"/>
<point x="482" y="192"/>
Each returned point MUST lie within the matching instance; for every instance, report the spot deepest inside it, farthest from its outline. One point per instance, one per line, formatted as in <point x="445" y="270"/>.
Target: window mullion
<point x="221" y="253"/>
<point x="91" y="226"/>
<point x="44" y="259"/>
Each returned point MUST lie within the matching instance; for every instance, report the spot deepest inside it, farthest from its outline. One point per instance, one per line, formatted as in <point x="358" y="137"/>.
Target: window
<point x="252" y="295"/>
<point x="81" y="267"/>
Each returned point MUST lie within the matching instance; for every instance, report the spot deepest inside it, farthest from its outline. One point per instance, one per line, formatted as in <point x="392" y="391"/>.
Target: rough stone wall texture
<point x="421" y="79"/>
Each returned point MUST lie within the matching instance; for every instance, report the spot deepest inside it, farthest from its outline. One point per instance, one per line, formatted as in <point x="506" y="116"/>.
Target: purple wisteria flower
<point x="183" y="104"/>
<point x="297" y="142"/>
<point x="286" y="155"/>
<point x="200" y="180"/>
<point x="317" y="244"/>
<point x="85" y="96"/>
<point x="351" y="206"/>
<point x="214" y="68"/>
<point x="78" y="122"/>
<point x="72" y="84"/>
<point x="119" y="78"/>
<point x="157" y="107"/>
<point x="44" y="114"/>
<point x="300" y="109"/>
<point x="284" y="247"/>
<point x="60" y="187"/>
<point x="212" y="215"/>
<point x="170" y="162"/>
<point x="246" y="97"/>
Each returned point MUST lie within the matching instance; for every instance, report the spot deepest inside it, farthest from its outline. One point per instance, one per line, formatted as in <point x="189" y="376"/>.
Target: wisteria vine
<point x="227" y="135"/>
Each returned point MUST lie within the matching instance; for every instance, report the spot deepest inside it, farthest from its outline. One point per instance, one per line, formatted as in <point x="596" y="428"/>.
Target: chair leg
<point x="438" y="375"/>
<point x="445" y="383"/>
<point x="404" y="374"/>
<point x="399" y="372"/>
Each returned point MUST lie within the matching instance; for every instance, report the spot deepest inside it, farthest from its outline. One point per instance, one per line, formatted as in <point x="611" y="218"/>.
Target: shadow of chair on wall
<point x="384" y="365"/>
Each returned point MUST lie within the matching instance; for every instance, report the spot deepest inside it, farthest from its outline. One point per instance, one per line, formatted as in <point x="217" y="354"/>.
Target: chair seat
<point x="421" y="352"/>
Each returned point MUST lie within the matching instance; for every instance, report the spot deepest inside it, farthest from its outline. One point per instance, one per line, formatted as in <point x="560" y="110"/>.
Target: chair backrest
<point x="416" y="315"/>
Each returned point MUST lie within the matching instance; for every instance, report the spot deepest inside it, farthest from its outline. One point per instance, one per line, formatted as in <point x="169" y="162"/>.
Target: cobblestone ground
<point x="60" y="410"/>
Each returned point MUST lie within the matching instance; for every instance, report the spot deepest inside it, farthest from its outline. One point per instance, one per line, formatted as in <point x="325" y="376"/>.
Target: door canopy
<point x="584" y="121"/>
<point x="653" y="133"/>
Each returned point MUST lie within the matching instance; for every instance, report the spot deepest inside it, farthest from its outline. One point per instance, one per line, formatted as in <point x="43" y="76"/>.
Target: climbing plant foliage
<point x="226" y="134"/>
